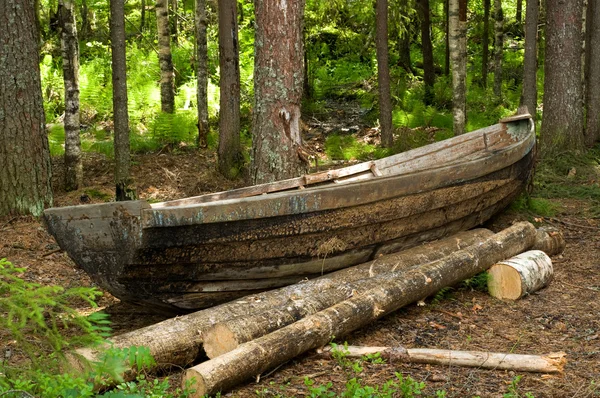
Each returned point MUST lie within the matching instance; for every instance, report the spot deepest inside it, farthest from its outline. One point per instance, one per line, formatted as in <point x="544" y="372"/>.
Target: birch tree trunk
<point x="120" y="110"/>
<point x="498" y="48"/>
<point x="167" y="74"/>
<point x="25" y="169"/>
<point x="201" y="26"/>
<point x="229" y="151"/>
<point x="457" y="11"/>
<point x="530" y="63"/>
<point x="383" y="74"/>
<point x="70" y="55"/>
<point x="277" y="151"/>
<point x="562" y="121"/>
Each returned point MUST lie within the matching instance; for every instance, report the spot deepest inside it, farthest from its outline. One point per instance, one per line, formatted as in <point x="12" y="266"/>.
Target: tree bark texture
<point x="447" y="38"/>
<point x="175" y="22"/>
<point x="457" y="12"/>
<point x="70" y="55"/>
<point x="519" y="12"/>
<point x="311" y="297"/>
<point x="551" y="363"/>
<point x="165" y="61"/>
<point x="277" y="151"/>
<point x="403" y="28"/>
<point x="562" y="121"/>
<point x="178" y="340"/>
<point x="520" y="275"/>
<point x="120" y="110"/>
<point x="498" y="48"/>
<point x="427" y="47"/>
<point x="383" y="74"/>
<point x="592" y="78"/>
<point x="201" y="26"/>
<point x="530" y="63"/>
<point x="25" y="169"/>
<point x="394" y="291"/>
<point x="230" y="157"/>
<point x="485" y="43"/>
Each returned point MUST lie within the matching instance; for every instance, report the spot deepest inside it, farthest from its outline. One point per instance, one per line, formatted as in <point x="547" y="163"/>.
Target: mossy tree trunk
<point x="428" y="65"/>
<point x="562" y="122"/>
<point x="25" y="169"/>
<point x="383" y="74"/>
<point x="278" y="79"/>
<point x="201" y="25"/>
<point x="167" y="74"/>
<point x="230" y="152"/>
<point x="120" y="110"/>
<point x="498" y="48"/>
<point x="70" y="55"/>
<point x="457" y="12"/>
<point x="530" y="63"/>
<point x="592" y="78"/>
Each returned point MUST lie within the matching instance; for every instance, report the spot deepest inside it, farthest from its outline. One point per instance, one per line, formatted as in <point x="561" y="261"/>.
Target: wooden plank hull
<point x="198" y="252"/>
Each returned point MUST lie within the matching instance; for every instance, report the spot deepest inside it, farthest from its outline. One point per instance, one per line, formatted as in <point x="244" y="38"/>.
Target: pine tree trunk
<point x="485" y="43"/>
<point x="428" y="65"/>
<point x="201" y="25"/>
<point x="167" y="75"/>
<point x="25" y="169"/>
<point x="592" y="78"/>
<point x="498" y="48"/>
<point x="120" y="110"/>
<point x="395" y="290"/>
<point x="457" y="12"/>
<point x="383" y="74"/>
<point x="530" y="63"/>
<point x="562" y="121"/>
<point x="70" y="55"/>
<point x="278" y="79"/>
<point x="230" y="158"/>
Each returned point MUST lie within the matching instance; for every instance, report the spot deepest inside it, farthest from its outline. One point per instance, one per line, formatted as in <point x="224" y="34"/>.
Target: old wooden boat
<point x="196" y="252"/>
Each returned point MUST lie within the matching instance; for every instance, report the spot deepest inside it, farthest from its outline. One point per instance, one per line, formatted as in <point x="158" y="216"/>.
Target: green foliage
<point x="478" y="282"/>
<point x="56" y="139"/>
<point x="513" y="389"/>
<point x="347" y="147"/>
<point x="535" y="206"/>
<point x="53" y="92"/>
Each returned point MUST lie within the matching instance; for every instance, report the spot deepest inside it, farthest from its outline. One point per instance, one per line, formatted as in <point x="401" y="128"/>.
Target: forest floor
<point x="562" y="317"/>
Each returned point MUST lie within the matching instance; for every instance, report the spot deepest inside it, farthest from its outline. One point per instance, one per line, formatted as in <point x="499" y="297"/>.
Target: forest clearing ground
<point x="563" y="317"/>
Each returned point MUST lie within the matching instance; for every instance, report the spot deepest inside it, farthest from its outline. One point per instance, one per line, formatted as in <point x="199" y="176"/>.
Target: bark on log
<point x="521" y="275"/>
<point x="309" y="298"/>
<point x="549" y="240"/>
<point x="178" y="341"/>
<point x="395" y="290"/>
<point x="551" y="363"/>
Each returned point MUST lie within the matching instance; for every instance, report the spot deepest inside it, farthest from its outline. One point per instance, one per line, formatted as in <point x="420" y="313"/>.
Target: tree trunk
<point x="562" y="121"/>
<point x="25" y="169"/>
<point x="447" y="38"/>
<point x="175" y="22"/>
<point x="383" y="74"/>
<point x="70" y="55"/>
<point x="402" y="29"/>
<point x="485" y="43"/>
<point x="519" y="15"/>
<point x="457" y="12"/>
<point x="142" y="16"/>
<point x="498" y="48"/>
<point x="201" y="25"/>
<point x="516" y="277"/>
<point x="311" y="297"/>
<point x="230" y="152"/>
<point x="120" y="110"/>
<point x="278" y="78"/>
<point x="394" y="291"/>
<point x="592" y="78"/>
<point x="551" y="363"/>
<point x="530" y="63"/>
<point x="167" y="75"/>
<point x="549" y="240"/>
<point x="428" y="66"/>
<point x="85" y="22"/>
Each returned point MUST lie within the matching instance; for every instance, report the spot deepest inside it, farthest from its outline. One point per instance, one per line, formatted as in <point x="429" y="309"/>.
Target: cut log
<point x="521" y="275"/>
<point x="551" y="363"/>
<point x="395" y="290"/>
<point x="549" y="240"/>
<point x="178" y="341"/>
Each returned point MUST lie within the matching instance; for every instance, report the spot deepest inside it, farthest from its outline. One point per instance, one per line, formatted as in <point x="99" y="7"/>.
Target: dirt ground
<point x="563" y="317"/>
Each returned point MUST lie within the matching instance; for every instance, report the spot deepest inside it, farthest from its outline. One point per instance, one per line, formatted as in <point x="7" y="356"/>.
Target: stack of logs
<point x="249" y="336"/>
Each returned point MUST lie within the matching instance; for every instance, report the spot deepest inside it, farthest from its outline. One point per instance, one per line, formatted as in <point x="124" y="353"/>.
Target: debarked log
<point x="395" y="290"/>
<point x="520" y="275"/>
<point x="550" y="363"/>
<point x="178" y="341"/>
